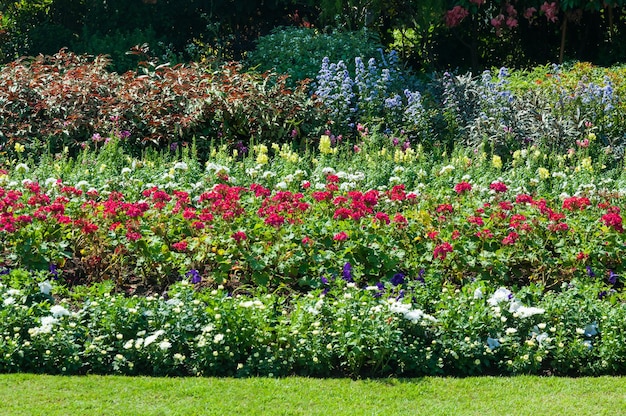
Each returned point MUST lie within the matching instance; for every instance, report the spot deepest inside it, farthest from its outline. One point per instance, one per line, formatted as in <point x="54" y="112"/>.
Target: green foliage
<point x="299" y="52"/>
<point x="412" y="329"/>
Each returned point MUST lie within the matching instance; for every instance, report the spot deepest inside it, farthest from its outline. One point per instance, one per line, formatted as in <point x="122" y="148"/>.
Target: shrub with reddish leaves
<point x="72" y="100"/>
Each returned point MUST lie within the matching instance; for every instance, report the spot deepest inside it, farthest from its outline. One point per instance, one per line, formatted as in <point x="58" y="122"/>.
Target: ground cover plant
<point x="401" y="238"/>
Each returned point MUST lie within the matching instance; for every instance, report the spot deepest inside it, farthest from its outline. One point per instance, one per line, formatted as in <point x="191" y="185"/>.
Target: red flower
<point x="461" y="187"/>
<point x="441" y="251"/>
<point x="510" y="239"/>
<point x="133" y="235"/>
<point x="275" y="220"/>
<point x="307" y="241"/>
<point x="455" y="234"/>
<point x="476" y="221"/>
<point x="613" y="220"/>
<point x="198" y="225"/>
<point x="498" y="187"/>
<point x="582" y="256"/>
<point x="239" y="236"/>
<point x="382" y="217"/>
<point x="485" y="233"/>
<point x="260" y="191"/>
<point x="432" y="234"/>
<point x="180" y="246"/>
<point x="524" y="199"/>
<point x="445" y="208"/>
<point x="342" y="236"/>
<point x="342" y="213"/>
<point x="400" y="220"/>
<point x="576" y="203"/>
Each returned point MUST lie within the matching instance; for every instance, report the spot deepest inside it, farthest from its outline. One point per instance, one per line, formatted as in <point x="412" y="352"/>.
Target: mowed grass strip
<point x="26" y="394"/>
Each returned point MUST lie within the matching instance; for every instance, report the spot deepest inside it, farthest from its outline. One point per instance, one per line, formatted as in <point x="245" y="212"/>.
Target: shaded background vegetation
<point x="184" y="30"/>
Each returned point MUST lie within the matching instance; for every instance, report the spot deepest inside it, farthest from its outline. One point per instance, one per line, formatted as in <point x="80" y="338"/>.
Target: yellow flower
<point x="262" y="159"/>
<point x="325" y="144"/>
<point x="591" y="136"/>
<point x="19" y="148"/>
<point x="586" y="164"/>
<point x="496" y="161"/>
<point x="543" y="173"/>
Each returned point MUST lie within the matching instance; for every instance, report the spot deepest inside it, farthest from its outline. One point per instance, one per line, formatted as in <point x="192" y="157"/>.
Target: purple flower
<point x="125" y="134"/>
<point x="174" y="146"/>
<point x="400" y="295"/>
<point x="612" y="277"/>
<point x="397" y="279"/>
<point x="420" y="276"/>
<point x="54" y="271"/>
<point x="347" y="272"/>
<point x="380" y="291"/>
<point x="193" y="276"/>
<point x="324" y="280"/>
<point x="4" y="270"/>
<point x="590" y="272"/>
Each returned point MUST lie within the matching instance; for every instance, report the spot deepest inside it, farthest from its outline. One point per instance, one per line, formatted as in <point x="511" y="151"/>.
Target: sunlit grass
<point x="95" y="395"/>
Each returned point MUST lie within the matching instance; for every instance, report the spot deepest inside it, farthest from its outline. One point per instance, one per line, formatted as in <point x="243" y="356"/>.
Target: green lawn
<point x="24" y="394"/>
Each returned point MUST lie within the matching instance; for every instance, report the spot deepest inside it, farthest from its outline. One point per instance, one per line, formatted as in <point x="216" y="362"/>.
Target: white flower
<point x="126" y="170"/>
<point x="446" y="169"/>
<point x="414" y="315"/>
<point x="58" y="311"/>
<point x="328" y="171"/>
<point x="45" y="287"/>
<point x="9" y="301"/>
<point x="510" y="331"/>
<point x="21" y="168"/>
<point x="218" y="338"/>
<point x="478" y="294"/>
<point x="181" y="166"/>
<point x="281" y="185"/>
<point x="48" y="320"/>
<point x="151" y="338"/>
<point x="528" y="311"/>
<point x="165" y="345"/>
<point x="501" y="295"/>
<point x="542" y="337"/>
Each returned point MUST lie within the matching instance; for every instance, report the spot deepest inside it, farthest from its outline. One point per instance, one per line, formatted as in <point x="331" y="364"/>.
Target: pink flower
<point x="529" y="12"/>
<point x="497" y="21"/>
<point x="455" y="16"/>
<point x="511" y="22"/>
<point x="551" y="11"/>
<point x="342" y="236"/>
